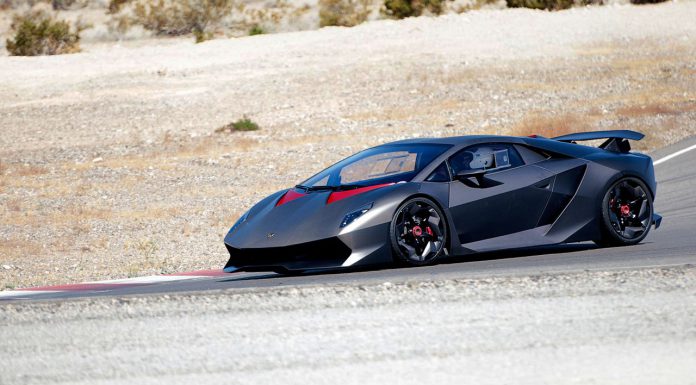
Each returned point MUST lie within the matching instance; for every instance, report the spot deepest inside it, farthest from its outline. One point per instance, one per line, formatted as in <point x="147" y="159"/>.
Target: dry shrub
<point x="649" y="110"/>
<point x="116" y="5"/>
<point x="410" y="8"/>
<point x="552" y="5"/>
<point x="64" y="5"/>
<point x="540" y="4"/>
<point x="343" y="13"/>
<point x="470" y="5"/>
<point x="244" y="124"/>
<point x="14" y="4"/>
<point x="201" y="35"/>
<point x="550" y="126"/>
<point x="180" y="17"/>
<point x="256" y="30"/>
<point x="29" y="170"/>
<point x="13" y="205"/>
<point x="40" y="33"/>
<point x="21" y="169"/>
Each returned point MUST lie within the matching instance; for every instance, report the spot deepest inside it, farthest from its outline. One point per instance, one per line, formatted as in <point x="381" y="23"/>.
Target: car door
<point x="507" y="196"/>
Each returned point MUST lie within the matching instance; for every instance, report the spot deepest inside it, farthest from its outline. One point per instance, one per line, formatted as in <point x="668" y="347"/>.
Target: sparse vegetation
<point x="180" y="17"/>
<point x="15" y="4"/>
<point x="40" y="33"/>
<point x="202" y="36"/>
<point x="552" y="5"/>
<point x="256" y="30"/>
<point x="550" y="125"/>
<point x="244" y="124"/>
<point x="409" y="8"/>
<point x="343" y="13"/>
<point x="62" y="5"/>
<point x="116" y="5"/>
<point x="147" y="260"/>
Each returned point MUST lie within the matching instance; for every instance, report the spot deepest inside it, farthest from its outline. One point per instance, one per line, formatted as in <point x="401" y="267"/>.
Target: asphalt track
<point x="673" y="244"/>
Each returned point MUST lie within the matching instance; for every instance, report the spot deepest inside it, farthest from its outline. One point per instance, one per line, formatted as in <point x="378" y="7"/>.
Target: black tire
<point x="625" y="221"/>
<point x="418" y="232"/>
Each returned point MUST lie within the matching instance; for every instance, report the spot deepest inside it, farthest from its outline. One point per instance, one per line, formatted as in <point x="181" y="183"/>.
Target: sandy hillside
<point x="110" y="167"/>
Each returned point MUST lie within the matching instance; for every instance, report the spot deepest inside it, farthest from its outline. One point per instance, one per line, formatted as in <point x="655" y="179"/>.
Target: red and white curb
<point x="99" y="286"/>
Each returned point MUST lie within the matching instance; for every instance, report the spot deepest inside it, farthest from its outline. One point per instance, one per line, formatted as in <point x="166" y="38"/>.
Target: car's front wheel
<point x="418" y="232"/>
<point x="627" y="211"/>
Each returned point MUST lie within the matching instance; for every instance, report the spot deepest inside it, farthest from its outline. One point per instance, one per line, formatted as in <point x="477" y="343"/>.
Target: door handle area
<point x="546" y="184"/>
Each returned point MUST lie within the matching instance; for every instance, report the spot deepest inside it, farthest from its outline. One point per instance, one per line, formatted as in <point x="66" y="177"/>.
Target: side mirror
<point x="466" y="174"/>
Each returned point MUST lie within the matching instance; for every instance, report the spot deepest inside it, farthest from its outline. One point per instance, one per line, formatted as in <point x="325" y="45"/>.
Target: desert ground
<point x="110" y="165"/>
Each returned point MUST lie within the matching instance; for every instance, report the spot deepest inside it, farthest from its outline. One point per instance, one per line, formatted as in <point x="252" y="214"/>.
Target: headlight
<point x="241" y="220"/>
<point x="350" y="217"/>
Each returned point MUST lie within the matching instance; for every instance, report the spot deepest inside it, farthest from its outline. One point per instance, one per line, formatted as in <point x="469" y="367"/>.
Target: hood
<point x="294" y="216"/>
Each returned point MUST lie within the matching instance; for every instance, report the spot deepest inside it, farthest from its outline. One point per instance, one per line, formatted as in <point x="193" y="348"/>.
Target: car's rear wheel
<point x="627" y="211"/>
<point x="418" y="232"/>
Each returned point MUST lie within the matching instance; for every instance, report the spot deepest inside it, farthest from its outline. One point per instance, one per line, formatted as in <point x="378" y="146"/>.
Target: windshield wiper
<point x="341" y="187"/>
<point x="316" y="188"/>
<point x="349" y="186"/>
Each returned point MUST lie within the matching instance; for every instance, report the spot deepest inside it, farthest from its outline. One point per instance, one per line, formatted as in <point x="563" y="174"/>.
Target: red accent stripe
<point x="291" y="195"/>
<point x="337" y="196"/>
<point x="95" y="286"/>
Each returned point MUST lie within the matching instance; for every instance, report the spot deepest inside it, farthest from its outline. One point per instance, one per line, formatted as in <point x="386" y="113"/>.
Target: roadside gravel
<point x="619" y="327"/>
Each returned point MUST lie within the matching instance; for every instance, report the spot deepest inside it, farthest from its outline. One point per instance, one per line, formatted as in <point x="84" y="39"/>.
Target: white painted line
<point x="670" y="156"/>
<point x="23" y="293"/>
<point x="150" y="279"/>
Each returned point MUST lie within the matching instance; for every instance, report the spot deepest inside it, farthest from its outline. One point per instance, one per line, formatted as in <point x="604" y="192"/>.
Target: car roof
<point x="459" y="140"/>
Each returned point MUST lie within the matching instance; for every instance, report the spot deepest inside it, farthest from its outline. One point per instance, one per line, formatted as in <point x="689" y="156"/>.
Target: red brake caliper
<point x="417" y="231"/>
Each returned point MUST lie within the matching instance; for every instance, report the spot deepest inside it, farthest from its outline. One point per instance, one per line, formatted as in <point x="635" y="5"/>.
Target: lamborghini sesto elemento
<point x="415" y="201"/>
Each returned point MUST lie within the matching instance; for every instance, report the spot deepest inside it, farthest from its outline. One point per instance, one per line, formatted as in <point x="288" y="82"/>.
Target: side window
<point x="440" y="174"/>
<point x="485" y="156"/>
<point x="531" y="156"/>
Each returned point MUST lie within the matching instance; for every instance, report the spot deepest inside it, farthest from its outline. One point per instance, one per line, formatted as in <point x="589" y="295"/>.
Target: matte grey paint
<point x="509" y="214"/>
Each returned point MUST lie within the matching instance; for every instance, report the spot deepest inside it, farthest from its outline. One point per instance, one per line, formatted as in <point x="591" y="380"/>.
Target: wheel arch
<point x="626" y="174"/>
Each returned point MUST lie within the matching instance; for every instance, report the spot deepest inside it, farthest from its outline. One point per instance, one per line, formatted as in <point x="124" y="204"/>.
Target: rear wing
<point x="616" y="140"/>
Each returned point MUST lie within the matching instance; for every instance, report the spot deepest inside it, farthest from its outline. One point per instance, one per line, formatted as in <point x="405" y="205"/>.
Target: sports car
<point x="416" y="201"/>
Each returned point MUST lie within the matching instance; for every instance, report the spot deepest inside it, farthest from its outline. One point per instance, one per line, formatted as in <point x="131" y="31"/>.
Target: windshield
<point x="384" y="164"/>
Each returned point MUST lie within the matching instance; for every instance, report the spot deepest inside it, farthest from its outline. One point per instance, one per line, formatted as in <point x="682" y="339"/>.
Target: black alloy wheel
<point x="627" y="211"/>
<point x="418" y="232"/>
